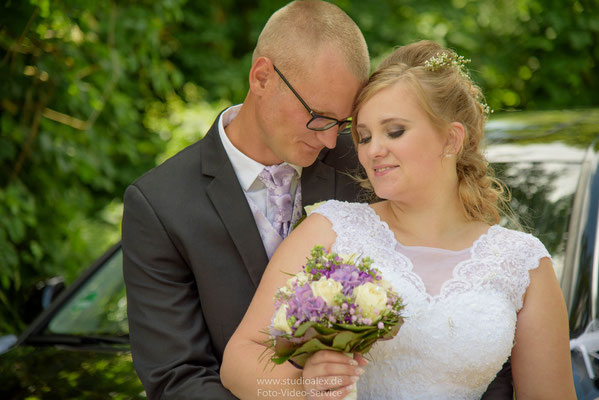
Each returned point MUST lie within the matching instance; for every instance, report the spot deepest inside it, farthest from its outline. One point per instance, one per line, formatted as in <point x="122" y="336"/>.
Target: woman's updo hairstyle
<point x="445" y="91"/>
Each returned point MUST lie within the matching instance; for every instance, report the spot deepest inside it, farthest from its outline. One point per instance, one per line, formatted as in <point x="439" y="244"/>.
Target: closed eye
<point x="396" y="134"/>
<point x="364" y="140"/>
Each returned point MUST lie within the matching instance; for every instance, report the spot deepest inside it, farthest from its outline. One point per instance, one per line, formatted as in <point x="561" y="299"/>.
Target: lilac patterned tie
<point x="277" y="179"/>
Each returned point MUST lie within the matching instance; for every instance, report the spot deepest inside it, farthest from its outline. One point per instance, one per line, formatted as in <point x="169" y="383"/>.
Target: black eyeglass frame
<point x="334" y="121"/>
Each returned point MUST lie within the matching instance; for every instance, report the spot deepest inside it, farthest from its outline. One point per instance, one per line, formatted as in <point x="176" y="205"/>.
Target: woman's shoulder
<point x="336" y="207"/>
<point x="348" y="219"/>
<point x="517" y="254"/>
<point x="516" y="244"/>
<point x="499" y="232"/>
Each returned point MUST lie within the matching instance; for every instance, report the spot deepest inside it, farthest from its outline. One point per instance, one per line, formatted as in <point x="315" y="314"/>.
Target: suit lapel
<point x="231" y="205"/>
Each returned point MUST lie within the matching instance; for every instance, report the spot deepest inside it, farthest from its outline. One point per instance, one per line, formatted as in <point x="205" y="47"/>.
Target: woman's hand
<point x="331" y="374"/>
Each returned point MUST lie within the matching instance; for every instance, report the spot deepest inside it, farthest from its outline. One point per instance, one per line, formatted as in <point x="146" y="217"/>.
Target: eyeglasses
<point x="318" y="122"/>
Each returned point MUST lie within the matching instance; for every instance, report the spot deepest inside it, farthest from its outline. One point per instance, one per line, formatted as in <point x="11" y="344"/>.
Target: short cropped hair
<point x="294" y="33"/>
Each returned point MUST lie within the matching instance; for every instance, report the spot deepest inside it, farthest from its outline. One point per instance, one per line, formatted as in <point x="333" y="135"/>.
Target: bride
<point x="475" y="293"/>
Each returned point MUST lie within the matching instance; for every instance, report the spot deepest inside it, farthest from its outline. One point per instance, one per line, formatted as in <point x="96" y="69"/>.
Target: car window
<point x="99" y="307"/>
<point x="542" y="199"/>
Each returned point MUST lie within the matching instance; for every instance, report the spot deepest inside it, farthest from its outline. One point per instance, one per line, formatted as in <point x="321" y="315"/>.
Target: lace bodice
<point x="451" y="344"/>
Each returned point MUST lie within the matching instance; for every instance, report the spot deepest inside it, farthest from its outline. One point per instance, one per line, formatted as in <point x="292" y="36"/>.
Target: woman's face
<point x="400" y="149"/>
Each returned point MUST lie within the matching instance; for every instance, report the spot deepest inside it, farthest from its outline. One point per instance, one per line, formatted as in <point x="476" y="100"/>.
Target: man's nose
<point x="329" y="137"/>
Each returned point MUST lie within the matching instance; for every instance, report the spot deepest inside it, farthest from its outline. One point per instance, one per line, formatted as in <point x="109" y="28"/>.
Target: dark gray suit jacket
<point x="193" y="258"/>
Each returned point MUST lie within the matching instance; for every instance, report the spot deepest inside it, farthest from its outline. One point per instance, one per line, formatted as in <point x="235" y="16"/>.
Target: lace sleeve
<point x="340" y="213"/>
<point x="523" y="252"/>
<point x="354" y="224"/>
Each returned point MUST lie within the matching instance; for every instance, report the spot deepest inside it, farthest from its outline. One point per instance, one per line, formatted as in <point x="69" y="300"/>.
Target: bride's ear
<point x="455" y="139"/>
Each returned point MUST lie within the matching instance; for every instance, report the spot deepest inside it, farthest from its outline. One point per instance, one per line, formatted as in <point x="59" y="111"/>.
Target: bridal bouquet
<point x="332" y="304"/>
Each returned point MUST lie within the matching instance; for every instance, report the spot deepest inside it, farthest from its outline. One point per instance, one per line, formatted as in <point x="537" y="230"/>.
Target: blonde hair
<point x="447" y="94"/>
<point x="294" y="33"/>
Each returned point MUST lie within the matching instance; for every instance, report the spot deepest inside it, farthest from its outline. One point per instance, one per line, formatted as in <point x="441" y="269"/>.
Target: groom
<point x="199" y="229"/>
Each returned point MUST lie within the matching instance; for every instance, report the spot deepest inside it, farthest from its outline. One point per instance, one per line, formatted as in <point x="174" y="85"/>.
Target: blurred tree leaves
<point x="94" y="93"/>
<point x="526" y="54"/>
<point x="77" y="77"/>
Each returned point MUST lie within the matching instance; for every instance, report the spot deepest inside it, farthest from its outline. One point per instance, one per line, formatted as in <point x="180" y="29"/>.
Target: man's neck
<point x="244" y="134"/>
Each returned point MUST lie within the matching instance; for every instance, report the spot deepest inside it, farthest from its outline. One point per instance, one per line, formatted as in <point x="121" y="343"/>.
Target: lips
<point x="381" y="170"/>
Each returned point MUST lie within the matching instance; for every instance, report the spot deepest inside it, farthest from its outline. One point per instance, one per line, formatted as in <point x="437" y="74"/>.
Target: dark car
<point x="78" y="348"/>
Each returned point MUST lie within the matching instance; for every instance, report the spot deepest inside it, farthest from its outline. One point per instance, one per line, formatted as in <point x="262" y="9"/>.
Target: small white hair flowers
<point x="452" y="60"/>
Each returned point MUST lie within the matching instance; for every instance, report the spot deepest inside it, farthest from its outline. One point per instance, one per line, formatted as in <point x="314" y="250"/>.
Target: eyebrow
<point x="392" y="119"/>
<point x="385" y="121"/>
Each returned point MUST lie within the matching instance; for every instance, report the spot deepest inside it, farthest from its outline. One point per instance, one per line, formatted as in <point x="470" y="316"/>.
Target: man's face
<point x="328" y="88"/>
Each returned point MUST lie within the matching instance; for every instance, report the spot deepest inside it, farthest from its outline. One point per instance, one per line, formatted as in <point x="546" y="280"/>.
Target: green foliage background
<point x="94" y="93"/>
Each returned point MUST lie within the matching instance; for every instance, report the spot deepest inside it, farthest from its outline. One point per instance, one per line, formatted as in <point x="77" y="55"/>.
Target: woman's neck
<point x="442" y="224"/>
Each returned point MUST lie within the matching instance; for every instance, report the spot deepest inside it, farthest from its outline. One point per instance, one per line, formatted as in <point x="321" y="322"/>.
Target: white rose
<point x="327" y="289"/>
<point x="370" y="298"/>
<point x="280" y="321"/>
<point x="301" y="278"/>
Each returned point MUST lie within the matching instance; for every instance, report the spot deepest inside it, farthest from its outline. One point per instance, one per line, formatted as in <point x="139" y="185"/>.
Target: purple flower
<point x="350" y="277"/>
<point x="304" y="306"/>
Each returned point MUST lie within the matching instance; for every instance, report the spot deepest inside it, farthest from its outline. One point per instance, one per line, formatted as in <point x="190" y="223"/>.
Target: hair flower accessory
<point x="442" y="60"/>
<point x="486" y="109"/>
<point x="452" y="60"/>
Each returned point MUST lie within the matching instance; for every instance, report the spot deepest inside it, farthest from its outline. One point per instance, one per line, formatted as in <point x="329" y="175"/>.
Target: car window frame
<point x="40" y="323"/>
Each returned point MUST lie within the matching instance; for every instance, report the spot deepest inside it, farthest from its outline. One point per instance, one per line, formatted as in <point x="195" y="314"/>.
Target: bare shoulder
<point x="543" y="293"/>
<point x="544" y="274"/>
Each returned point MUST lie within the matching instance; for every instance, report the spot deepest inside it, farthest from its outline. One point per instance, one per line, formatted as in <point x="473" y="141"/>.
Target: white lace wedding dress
<point x="453" y="342"/>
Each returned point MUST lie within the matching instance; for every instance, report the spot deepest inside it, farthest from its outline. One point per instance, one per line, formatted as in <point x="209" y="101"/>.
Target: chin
<point x="303" y="160"/>
<point x="384" y="194"/>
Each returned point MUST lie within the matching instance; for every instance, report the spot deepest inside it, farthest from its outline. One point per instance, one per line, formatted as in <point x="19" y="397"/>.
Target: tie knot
<point x="275" y="176"/>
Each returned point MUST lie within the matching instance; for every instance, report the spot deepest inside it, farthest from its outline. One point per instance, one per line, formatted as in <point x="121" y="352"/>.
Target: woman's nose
<point x="376" y="147"/>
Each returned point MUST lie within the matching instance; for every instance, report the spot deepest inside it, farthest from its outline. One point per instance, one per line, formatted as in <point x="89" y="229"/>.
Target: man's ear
<point x="455" y="138"/>
<point x="261" y="72"/>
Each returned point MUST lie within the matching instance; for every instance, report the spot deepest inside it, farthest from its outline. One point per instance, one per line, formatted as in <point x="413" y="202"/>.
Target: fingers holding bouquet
<point x="332" y="374"/>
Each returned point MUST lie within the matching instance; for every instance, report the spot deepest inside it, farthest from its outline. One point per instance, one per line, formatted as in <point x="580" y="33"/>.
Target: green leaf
<point x="342" y="339"/>
<point x="354" y="328"/>
<point x="324" y="330"/>
<point x="284" y="347"/>
<point x="301" y="330"/>
<point x="312" y="346"/>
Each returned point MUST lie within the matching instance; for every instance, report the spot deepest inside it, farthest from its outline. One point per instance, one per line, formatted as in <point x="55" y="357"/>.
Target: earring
<point x="448" y="155"/>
